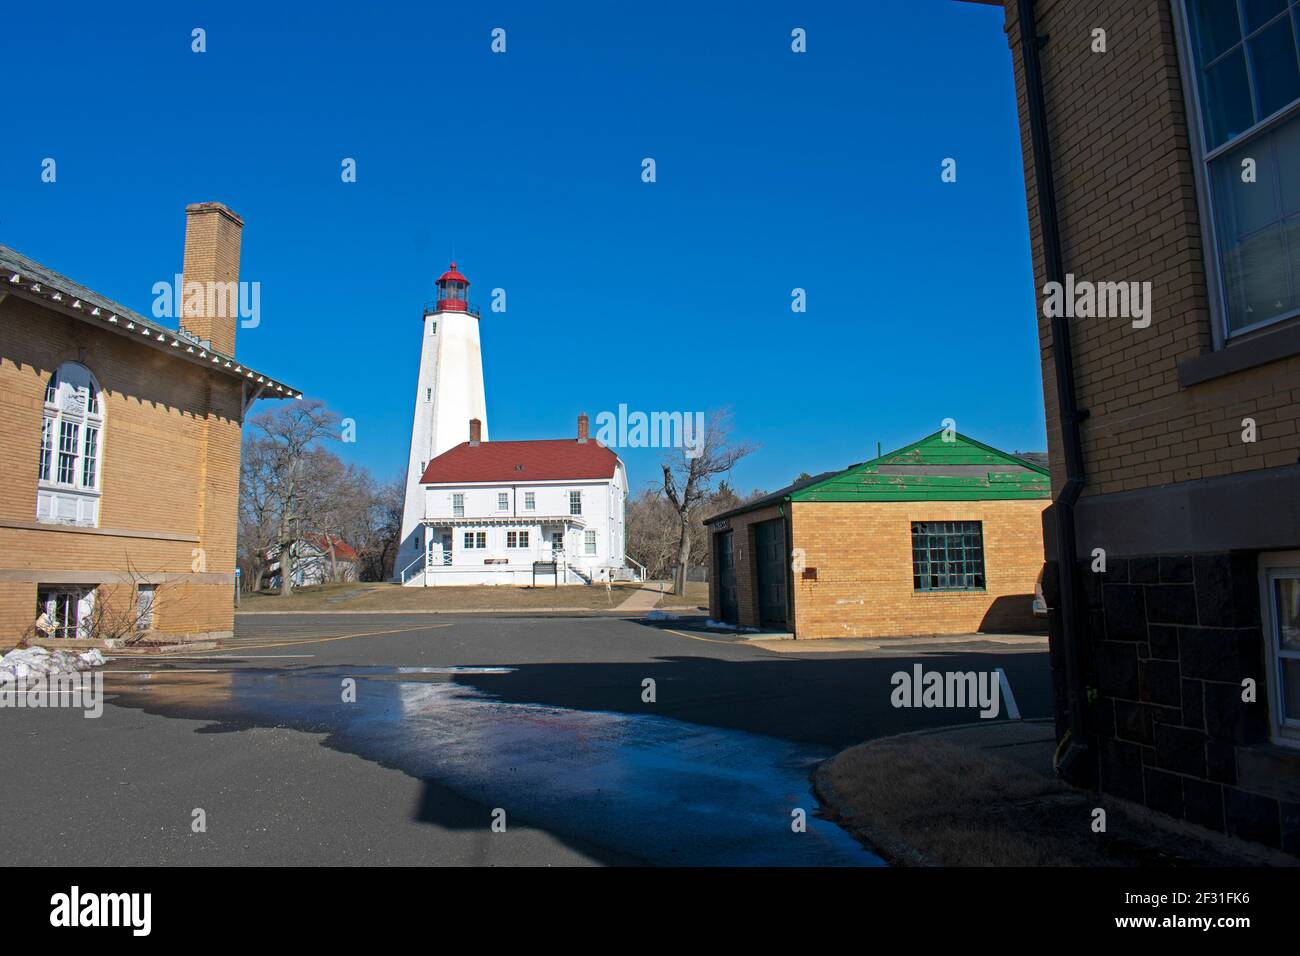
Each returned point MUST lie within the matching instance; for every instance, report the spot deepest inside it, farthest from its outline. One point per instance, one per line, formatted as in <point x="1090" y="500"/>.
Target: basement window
<point x="65" y="612"/>
<point x="1280" y="584"/>
<point x="947" y="556"/>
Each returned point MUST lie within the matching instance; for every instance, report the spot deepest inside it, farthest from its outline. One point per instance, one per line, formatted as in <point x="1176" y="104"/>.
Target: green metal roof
<point x="934" y="469"/>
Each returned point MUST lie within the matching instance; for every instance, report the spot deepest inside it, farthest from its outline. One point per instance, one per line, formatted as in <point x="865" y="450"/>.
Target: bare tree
<point x="292" y="434"/>
<point x="688" y="482"/>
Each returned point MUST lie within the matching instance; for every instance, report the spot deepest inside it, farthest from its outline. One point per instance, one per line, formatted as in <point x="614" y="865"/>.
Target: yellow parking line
<point x="322" y="640"/>
<point x="713" y="640"/>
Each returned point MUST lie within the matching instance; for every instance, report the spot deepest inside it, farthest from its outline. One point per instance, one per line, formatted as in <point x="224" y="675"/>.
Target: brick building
<point x="121" y="439"/>
<point x="1165" y="149"/>
<point x="943" y="536"/>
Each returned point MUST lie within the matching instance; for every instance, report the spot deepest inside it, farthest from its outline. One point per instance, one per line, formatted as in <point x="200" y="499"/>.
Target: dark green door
<point x="769" y="548"/>
<point x="726" y="576"/>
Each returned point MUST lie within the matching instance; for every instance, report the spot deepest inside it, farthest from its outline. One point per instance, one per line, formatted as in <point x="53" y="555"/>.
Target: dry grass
<point x="383" y="596"/>
<point x="921" y="801"/>
<point x="697" y="595"/>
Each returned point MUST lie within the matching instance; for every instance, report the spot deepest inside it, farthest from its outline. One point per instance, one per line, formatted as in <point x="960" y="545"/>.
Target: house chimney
<point x="582" y="428"/>
<point x="475" y="431"/>
<point x="211" y="309"/>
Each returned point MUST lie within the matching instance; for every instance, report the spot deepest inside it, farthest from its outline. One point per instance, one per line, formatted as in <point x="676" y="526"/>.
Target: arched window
<point x="72" y="448"/>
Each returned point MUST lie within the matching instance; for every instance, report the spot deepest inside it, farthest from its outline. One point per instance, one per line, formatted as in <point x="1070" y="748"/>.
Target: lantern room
<point x="453" y="291"/>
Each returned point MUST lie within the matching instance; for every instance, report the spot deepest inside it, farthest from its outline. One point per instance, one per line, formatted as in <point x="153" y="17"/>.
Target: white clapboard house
<point x="504" y="512"/>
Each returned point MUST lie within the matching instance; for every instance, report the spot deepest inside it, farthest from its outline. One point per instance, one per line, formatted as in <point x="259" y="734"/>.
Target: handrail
<point x="402" y="577"/>
<point x="628" y="557"/>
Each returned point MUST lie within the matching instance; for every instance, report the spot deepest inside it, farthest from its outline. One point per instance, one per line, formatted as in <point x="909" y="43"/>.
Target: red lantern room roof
<point x="452" y="275"/>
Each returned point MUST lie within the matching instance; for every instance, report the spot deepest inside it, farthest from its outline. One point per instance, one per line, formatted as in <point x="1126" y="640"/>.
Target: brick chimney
<point x="212" y="234"/>
<point x="475" y="431"/>
<point x="582" y="428"/>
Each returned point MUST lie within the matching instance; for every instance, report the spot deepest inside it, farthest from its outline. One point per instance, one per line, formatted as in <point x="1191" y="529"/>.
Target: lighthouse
<point x="448" y="394"/>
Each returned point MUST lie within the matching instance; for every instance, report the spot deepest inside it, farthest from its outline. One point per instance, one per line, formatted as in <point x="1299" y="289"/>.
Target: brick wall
<point x="170" y="474"/>
<point x="1127" y="205"/>
<point x="863" y="556"/>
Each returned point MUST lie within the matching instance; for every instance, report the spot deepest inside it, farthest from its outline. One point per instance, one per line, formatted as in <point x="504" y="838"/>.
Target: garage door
<point x="769" y="545"/>
<point x="726" y="576"/>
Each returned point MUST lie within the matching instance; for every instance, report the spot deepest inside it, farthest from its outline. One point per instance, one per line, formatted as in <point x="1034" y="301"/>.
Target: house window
<point x="589" y="540"/>
<point x="1244" y="98"/>
<point x="947" y="556"/>
<point x="575" y="502"/>
<point x="65" y="611"/>
<point x="530" y="501"/>
<point x="458" y="506"/>
<point x="516" y="539"/>
<point x="71" y="451"/>
<point x="503" y="501"/>
<point x="144" y="605"/>
<point x="475" y="539"/>
<point x="1280" y="576"/>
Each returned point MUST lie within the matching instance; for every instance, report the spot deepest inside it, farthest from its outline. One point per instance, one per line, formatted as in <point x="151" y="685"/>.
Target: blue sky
<point x="775" y="171"/>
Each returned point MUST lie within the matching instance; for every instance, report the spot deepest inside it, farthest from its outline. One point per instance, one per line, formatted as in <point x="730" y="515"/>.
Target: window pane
<point x="1274" y="67"/>
<point x="1290" y="674"/>
<point x="1287" y="141"/>
<point x="1256" y="274"/>
<point x="1259" y="12"/>
<point x="1287" y="595"/>
<point x="1215" y="24"/>
<point x="1227" y="105"/>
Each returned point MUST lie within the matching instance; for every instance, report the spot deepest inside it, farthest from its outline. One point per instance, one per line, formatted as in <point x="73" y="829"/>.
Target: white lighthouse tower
<point x="448" y="395"/>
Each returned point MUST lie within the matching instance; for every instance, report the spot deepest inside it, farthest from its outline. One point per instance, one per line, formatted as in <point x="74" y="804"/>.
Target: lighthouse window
<point x="433" y="328"/>
<point x="428" y="394"/>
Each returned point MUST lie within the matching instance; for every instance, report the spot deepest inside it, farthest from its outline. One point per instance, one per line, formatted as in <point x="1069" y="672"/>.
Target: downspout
<point x="1069" y="414"/>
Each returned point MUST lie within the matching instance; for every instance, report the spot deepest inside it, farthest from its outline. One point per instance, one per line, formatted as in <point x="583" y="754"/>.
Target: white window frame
<point x="503" y="501"/>
<point x="530" y="501"/>
<point x="1202" y="157"/>
<point x="589" y="543"/>
<point x="517" y="540"/>
<point x="575" y="502"/>
<point x="1272" y="566"/>
<point x="73" y="407"/>
<point x="59" y="598"/>
<point x="458" y="505"/>
<point x="475" y="540"/>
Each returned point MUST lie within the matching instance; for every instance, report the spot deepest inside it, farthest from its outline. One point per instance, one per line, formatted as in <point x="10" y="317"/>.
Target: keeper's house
<point x="941" y="537"/>
<point x="120" y="439"/>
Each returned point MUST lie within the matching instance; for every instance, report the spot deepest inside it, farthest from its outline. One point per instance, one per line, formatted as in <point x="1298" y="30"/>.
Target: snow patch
<point x="21" y="664"/>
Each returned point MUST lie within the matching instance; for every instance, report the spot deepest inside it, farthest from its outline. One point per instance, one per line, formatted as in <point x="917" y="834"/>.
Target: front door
<point x="727" y="577"/>
<point x="446" y="548"/>
<point x="769" y="556"/>
<point x="557" y="542"/>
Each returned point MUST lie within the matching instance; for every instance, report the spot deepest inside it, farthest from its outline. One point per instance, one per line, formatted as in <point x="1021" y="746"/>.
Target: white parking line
<point x="1013" y="712"/>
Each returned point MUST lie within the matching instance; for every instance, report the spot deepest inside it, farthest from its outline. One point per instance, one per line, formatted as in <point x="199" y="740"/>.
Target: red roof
<point x="321" y="542"/>
<point x="550" y="459"/>
<point x="452" y="275"/>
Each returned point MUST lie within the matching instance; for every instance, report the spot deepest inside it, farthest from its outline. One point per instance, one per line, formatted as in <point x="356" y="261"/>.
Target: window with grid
<point x="475" y="539"/>
<point x="947" y="556"/>
<point x="516" y="539"/>
<point x="503" y="501"/>
<point x="589" y="540"/>
<point x="530" y="501"/>
<point x="458" y="506"/>
<point x="47" y="448"/>
<point x="71" y="450"/>
<point x="1244" y="98"/>
<point x="575" y="502"/>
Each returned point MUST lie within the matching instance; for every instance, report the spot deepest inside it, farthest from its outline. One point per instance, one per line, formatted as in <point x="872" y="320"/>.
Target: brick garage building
<point x="1172" y="156"/>
<point x="121" y="442"/>
<point x="941" y="537"/>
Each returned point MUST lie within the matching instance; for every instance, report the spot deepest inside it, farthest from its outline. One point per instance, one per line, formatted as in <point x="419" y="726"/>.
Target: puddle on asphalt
<point x="647" y="788"/>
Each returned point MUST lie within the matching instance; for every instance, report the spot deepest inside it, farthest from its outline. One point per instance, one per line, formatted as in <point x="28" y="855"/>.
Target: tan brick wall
<point x="170" y="473"/>
<point x="1127" y="203"/>
<point x="863" y="556"/>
